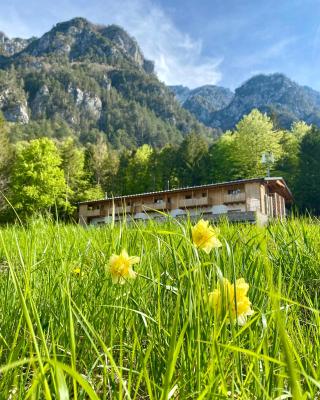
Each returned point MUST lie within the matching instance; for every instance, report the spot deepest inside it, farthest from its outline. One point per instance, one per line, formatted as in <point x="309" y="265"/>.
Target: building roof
<point x="267" y="180"/>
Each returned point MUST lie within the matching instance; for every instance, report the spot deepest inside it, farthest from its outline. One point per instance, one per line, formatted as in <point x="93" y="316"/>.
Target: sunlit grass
<point x="68" y="332"/>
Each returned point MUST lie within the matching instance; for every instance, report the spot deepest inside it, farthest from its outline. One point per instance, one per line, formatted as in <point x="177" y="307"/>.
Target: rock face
<point x="128" y="45"/>
<point x="90" y="103"/>
<point x="274" y="94"/>
<point x="8" y="47"/>
<point x="14" y="106"/>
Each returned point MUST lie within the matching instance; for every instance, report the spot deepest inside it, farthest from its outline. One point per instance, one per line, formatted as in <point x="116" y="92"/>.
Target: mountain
<point x="181" y="92"/>
<point x="275" y="94"/>
<point x="283" y="99"/>
<point x="8" y="47"/>
<point x="88" y="78"/>
<point x="204" y="100"/>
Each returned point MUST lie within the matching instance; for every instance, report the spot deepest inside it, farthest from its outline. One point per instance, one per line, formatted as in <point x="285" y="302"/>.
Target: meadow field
<point x="68" y="331"/>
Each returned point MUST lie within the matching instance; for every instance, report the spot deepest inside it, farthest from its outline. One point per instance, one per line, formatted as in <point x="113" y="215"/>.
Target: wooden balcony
<point x="200" y="202"/>
<point x="121" y="210"/>
<point x="93" y="213"/>
<point x="155" y="206"/>
<point x="234" y="198"/>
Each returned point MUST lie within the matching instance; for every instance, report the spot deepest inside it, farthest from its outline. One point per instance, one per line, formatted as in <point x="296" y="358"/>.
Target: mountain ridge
<point x="93" y="78"/>
<point x="276" y="94"/>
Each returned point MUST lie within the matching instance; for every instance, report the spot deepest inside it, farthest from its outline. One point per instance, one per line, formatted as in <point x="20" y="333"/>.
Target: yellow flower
<point x="120" y="267"/>
<point x="77" y="271"/>
<point x="205" y="236"/>
<point x="232" y="300"/>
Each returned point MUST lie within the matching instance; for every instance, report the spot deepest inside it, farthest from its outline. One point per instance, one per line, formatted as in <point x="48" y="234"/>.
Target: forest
<point x="53" y="170"/>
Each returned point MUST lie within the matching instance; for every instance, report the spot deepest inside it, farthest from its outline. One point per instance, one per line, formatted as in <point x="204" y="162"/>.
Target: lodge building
<point x="252" y="200"/>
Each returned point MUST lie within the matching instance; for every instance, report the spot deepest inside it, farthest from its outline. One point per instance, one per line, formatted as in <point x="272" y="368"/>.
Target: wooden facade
<point x="255" y="200"/>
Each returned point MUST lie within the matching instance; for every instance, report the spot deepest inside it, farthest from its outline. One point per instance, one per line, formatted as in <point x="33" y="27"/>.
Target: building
<point x="252" y="200"/>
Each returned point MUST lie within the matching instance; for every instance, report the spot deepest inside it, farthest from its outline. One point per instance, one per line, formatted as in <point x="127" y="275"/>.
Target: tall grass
<point x="78" y="336"/>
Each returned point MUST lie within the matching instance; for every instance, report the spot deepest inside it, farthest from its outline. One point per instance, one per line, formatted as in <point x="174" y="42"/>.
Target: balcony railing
<point x="93" y="213"/>
<point x="202" y="201"/>
<point x="155" y="206"/>
<point x="121" y="210"/>
<point x="235" y="198"/>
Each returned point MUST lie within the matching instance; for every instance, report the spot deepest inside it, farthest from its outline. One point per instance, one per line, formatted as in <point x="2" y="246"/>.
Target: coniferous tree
<point x="192" y="151"/>
<point x="288" y="164"/>
<point x="308" y="180"/>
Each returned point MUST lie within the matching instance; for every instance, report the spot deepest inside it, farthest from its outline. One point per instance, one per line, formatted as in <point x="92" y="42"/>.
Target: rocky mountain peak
<point x="79" y="40"/>
<point x="127" y="44"/>
<point x="8" y="46"/>
<point x="274" y="94"/>
<point x="90" y="80"/>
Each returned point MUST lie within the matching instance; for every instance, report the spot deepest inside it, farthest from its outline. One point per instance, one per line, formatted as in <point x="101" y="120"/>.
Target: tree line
<point x="52" y="174"/>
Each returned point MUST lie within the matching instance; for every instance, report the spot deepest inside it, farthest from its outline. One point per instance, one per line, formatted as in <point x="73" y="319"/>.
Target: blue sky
<point x="200" y="42"/>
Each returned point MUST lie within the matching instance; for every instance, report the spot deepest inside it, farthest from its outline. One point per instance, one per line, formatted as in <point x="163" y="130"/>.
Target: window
<point x="169" y="200"/>
<point x="204" y="194"/>
<point x="94" y="207"/>
<point x="188" y="196"/>
<point x="234" y="191"/>
<point x="158" y="200"/>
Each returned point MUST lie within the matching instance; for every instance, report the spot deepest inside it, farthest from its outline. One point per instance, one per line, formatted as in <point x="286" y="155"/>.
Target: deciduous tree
<point x="38" y="183"/>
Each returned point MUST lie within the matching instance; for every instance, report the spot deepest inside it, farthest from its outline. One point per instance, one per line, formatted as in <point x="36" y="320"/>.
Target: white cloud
<point x="178" y="57"/>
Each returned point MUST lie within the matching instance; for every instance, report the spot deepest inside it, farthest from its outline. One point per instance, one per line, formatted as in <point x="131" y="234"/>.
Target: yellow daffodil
<point x="204" y="236"/>
<point x="231" y="300"/>
<point x="77" y="271"/>
<point x="120" y="267"/>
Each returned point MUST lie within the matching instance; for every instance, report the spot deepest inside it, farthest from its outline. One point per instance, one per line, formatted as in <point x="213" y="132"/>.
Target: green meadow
<point x="68" y="332"/>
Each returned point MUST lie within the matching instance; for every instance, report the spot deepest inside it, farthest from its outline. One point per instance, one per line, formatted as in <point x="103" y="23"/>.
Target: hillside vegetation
<point x="88" y="79"/>
<point x="67" y="330"/>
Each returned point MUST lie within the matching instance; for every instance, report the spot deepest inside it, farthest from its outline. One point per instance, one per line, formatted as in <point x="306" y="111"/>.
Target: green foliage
<point x="73" y="166"/>
<point x="54" y="129"/>
<point x="6" y="156"/>
<point x="238" y="154"/>
<point x="220" y="162"/>
<point x="37" y="182"/>
<point x="76" y="335"/>
<point x="191" y="167"/>
<point x="91" y="192"/>
<point x="254" y="135"/>
<point x="288" y="166"/>
<point x="98" y="167"/>
<point x="308" y="180"/>
<point x="103" y="163"/>
<point x="165" y="168"/>
<point x="5" y="147"/>
<point x="139" y="172"/>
